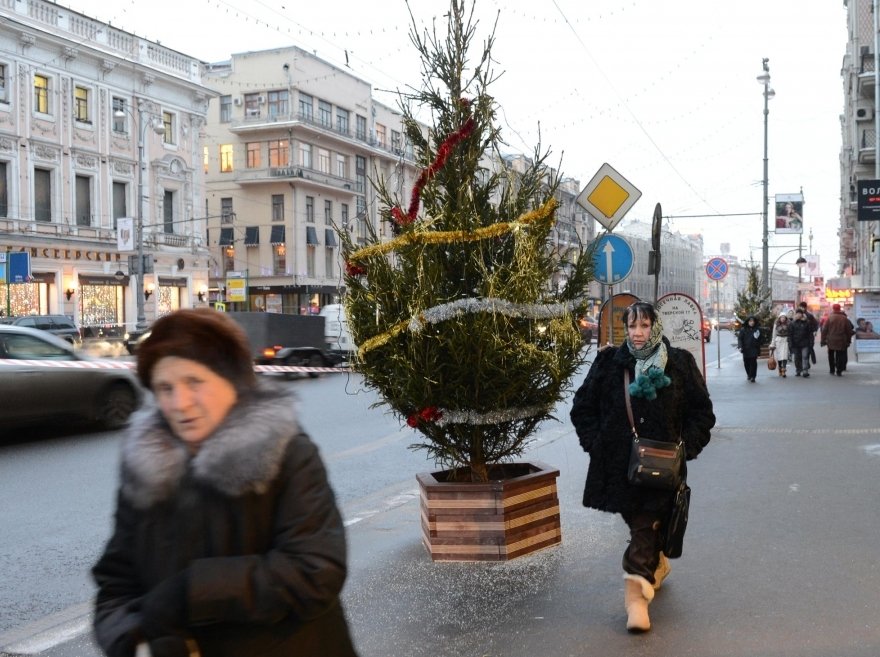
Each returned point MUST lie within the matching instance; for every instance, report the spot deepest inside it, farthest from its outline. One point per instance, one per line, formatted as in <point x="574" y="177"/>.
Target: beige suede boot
<point x="662" y="572"/>
<point x="637" y="594"/>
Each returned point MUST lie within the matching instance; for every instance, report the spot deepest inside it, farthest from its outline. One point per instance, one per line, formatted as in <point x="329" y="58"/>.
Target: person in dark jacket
<point x="837" y="333"/>
<point x="800" y="342"/>
<point x="749" y="343"/>
<point x="227" y="538"/>
<point x="670" y="402"/>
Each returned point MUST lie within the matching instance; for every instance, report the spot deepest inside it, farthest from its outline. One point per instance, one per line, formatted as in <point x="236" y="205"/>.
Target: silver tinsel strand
<point x="461" y="307"/>
<point x="492" y="417"/>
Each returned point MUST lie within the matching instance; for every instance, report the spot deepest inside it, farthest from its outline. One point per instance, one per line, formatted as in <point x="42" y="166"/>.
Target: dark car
<point x="60" y="325"/>
<point x="588" y="327"/>
<point x="133" y="338"/>
<point x="298" y="357"/>
<point x="707" y="330"/>
<point x="43" y="378"/>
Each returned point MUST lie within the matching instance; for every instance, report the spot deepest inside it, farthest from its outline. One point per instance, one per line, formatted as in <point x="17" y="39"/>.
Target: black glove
<point x="170" y="646"/>
<point x="164" y="608"/>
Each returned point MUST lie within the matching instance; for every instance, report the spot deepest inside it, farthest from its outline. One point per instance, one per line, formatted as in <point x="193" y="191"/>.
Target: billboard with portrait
<point x="790" y="214"/>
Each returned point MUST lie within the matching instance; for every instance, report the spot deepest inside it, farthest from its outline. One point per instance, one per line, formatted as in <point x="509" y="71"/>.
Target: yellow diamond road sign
<point x="608" y="196"/>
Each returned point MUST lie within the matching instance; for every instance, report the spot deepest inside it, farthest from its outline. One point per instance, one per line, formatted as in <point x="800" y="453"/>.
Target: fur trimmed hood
<point x="243" y="456"/>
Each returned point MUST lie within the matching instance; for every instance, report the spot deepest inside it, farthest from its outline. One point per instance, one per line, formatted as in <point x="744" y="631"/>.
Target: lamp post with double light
<point x="764" y="79"/>
<point x="800" y="262"/>
<point x="144" y="120"/>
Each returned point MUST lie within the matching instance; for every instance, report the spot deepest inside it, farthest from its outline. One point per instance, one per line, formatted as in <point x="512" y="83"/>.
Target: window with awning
<point x="329" y="237"/>
<point x="311" y="236"/>
<point x="252" y="236"/>
<point x="225" y="237"/>
<point x="277" y="236"/>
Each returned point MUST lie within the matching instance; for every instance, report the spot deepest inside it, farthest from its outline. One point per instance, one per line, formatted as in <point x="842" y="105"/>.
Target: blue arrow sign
<point x="613" y="259"/>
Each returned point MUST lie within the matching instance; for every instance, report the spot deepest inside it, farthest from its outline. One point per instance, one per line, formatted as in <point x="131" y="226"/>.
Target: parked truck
<point x="292" y="340"/>
<point x="336" y="334"/>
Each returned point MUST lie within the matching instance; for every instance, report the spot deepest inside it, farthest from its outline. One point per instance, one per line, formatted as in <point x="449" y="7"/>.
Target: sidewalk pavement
<point x="781" y="556"/>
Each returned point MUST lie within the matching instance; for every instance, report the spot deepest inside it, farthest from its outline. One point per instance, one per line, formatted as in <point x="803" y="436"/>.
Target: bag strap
<point x="629" y="410"/>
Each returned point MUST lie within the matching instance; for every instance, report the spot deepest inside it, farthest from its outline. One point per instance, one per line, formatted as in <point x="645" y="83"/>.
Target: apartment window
<point x="120" y="201"/>
<point x="380" y="134"/>
<point x="41" y="94"/>
<point x="81" y="104"/>
<point x="168" y="123"/>
<point x="342" y="120"/>
<point x="42" y="195"/>
<point x="305" y="155"/>
<point x="226" y="212"/>
<point x="206" y="158"/>
<point x="226" y="157"/>
<point x="277" y="207"/>
<point x="323" y="160"/>
<point x="120" y="116"/>
<point x="310" y="209"/>
<point x="329" y="263"/>
<point x="360" y="173"/>
<point x="396" y="142"/>
<point x="325" y="113"/>
<point x="361" y="128"/>
<point x="253" y="154"/>
<point x="225" y="109"/>
<point x="83" y="186"/>
<point x="277" y="104"/>
<point x="4" y="191"/>
<point x="305" y="106"/>
<point x="252" y="105"/>
<point x="279" y="153"/>
<point x="310" y="261"/>
<point x="343" y="211"/>
<point x="4" y="93"/>
<point x="279" y="259"/>
<point x="341" y="166"/>
<point x="168" y="212"/>
<point x="328" y="213"/>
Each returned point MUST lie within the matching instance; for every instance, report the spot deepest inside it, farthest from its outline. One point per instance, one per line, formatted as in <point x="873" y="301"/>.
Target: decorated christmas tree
<point x="457" y="324"/>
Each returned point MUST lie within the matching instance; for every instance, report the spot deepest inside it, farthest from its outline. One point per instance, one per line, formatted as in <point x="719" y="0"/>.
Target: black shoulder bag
<point x="658" y="464"/>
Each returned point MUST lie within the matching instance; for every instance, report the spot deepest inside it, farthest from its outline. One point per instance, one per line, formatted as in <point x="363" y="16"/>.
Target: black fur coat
<point x="250" y="521"/>
<point x="599" y="416"/>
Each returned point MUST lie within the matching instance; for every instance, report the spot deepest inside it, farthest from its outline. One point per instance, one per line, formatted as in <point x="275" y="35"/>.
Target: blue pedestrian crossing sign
<point x="613" y="259"/>
<point x="716" y="268"/>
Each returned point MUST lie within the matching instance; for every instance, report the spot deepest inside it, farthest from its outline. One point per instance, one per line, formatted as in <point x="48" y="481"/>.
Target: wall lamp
<point x="148" y="291"/>
<point x="202" y="294"/>
<point x="69" y="292"/>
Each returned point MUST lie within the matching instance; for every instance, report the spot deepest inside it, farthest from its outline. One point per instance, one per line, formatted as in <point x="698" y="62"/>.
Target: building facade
<point x="98" y="129"/>
<point x="292" y="146"/>
<point x="859" y="240"/>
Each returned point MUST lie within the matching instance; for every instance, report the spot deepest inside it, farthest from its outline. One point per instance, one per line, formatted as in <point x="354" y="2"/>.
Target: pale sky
<point x="663" y="90"/>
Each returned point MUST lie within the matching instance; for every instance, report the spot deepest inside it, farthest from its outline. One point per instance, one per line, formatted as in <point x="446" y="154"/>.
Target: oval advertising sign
<point x="682" y="324"/>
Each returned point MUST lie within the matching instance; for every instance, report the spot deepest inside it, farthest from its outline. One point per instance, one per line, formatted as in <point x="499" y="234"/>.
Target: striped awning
<point x="252" y="236"/>
<point x="311" y="236"/>
<point x="329" y="237"/>
<point x="278" y="236"/>
<point x="225" y="237"/>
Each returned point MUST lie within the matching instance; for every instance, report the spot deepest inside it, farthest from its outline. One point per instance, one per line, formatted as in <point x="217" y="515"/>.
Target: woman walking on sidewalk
<point x="749" y="342"/>
<point x="669" y="402"/>
<point x="779" y="343"/>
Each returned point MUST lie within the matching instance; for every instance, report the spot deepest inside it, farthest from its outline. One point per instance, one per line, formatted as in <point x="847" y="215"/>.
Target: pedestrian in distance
<point x="814" y="328"/>
<point x="670" y="402"/>
<point x="837" y="333"/>
<point x="779" y="347"/>
<point x="227" y="539"/>
<point x="800" y="341"/>
<point x="749" y="343"/>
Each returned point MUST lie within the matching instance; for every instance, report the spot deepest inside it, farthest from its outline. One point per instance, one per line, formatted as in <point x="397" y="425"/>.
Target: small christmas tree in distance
<point x="753" y="301"/>
<point x="455" y="320"/>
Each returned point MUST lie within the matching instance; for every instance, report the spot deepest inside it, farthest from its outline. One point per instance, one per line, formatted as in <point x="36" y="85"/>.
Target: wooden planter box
<point x="495" y="521"/>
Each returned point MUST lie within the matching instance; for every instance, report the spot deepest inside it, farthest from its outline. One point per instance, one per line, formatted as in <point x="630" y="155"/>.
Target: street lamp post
<point x="800" y="262"/>
<point x="764" y="79"/>
<point x="158" y="129"/>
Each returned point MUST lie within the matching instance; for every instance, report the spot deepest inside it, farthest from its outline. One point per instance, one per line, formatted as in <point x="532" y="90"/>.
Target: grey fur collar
<point x="243" y="456"/>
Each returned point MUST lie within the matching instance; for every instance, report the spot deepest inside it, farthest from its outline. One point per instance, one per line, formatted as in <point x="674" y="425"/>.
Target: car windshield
<point x="28" y="347"/>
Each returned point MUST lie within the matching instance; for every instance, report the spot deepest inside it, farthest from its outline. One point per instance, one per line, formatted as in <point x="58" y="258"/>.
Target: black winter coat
<point x="251" y="523"/>
<point x="599" y="416"/>
<point x="748" y="343"/>
<point x="800" y="334"/>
